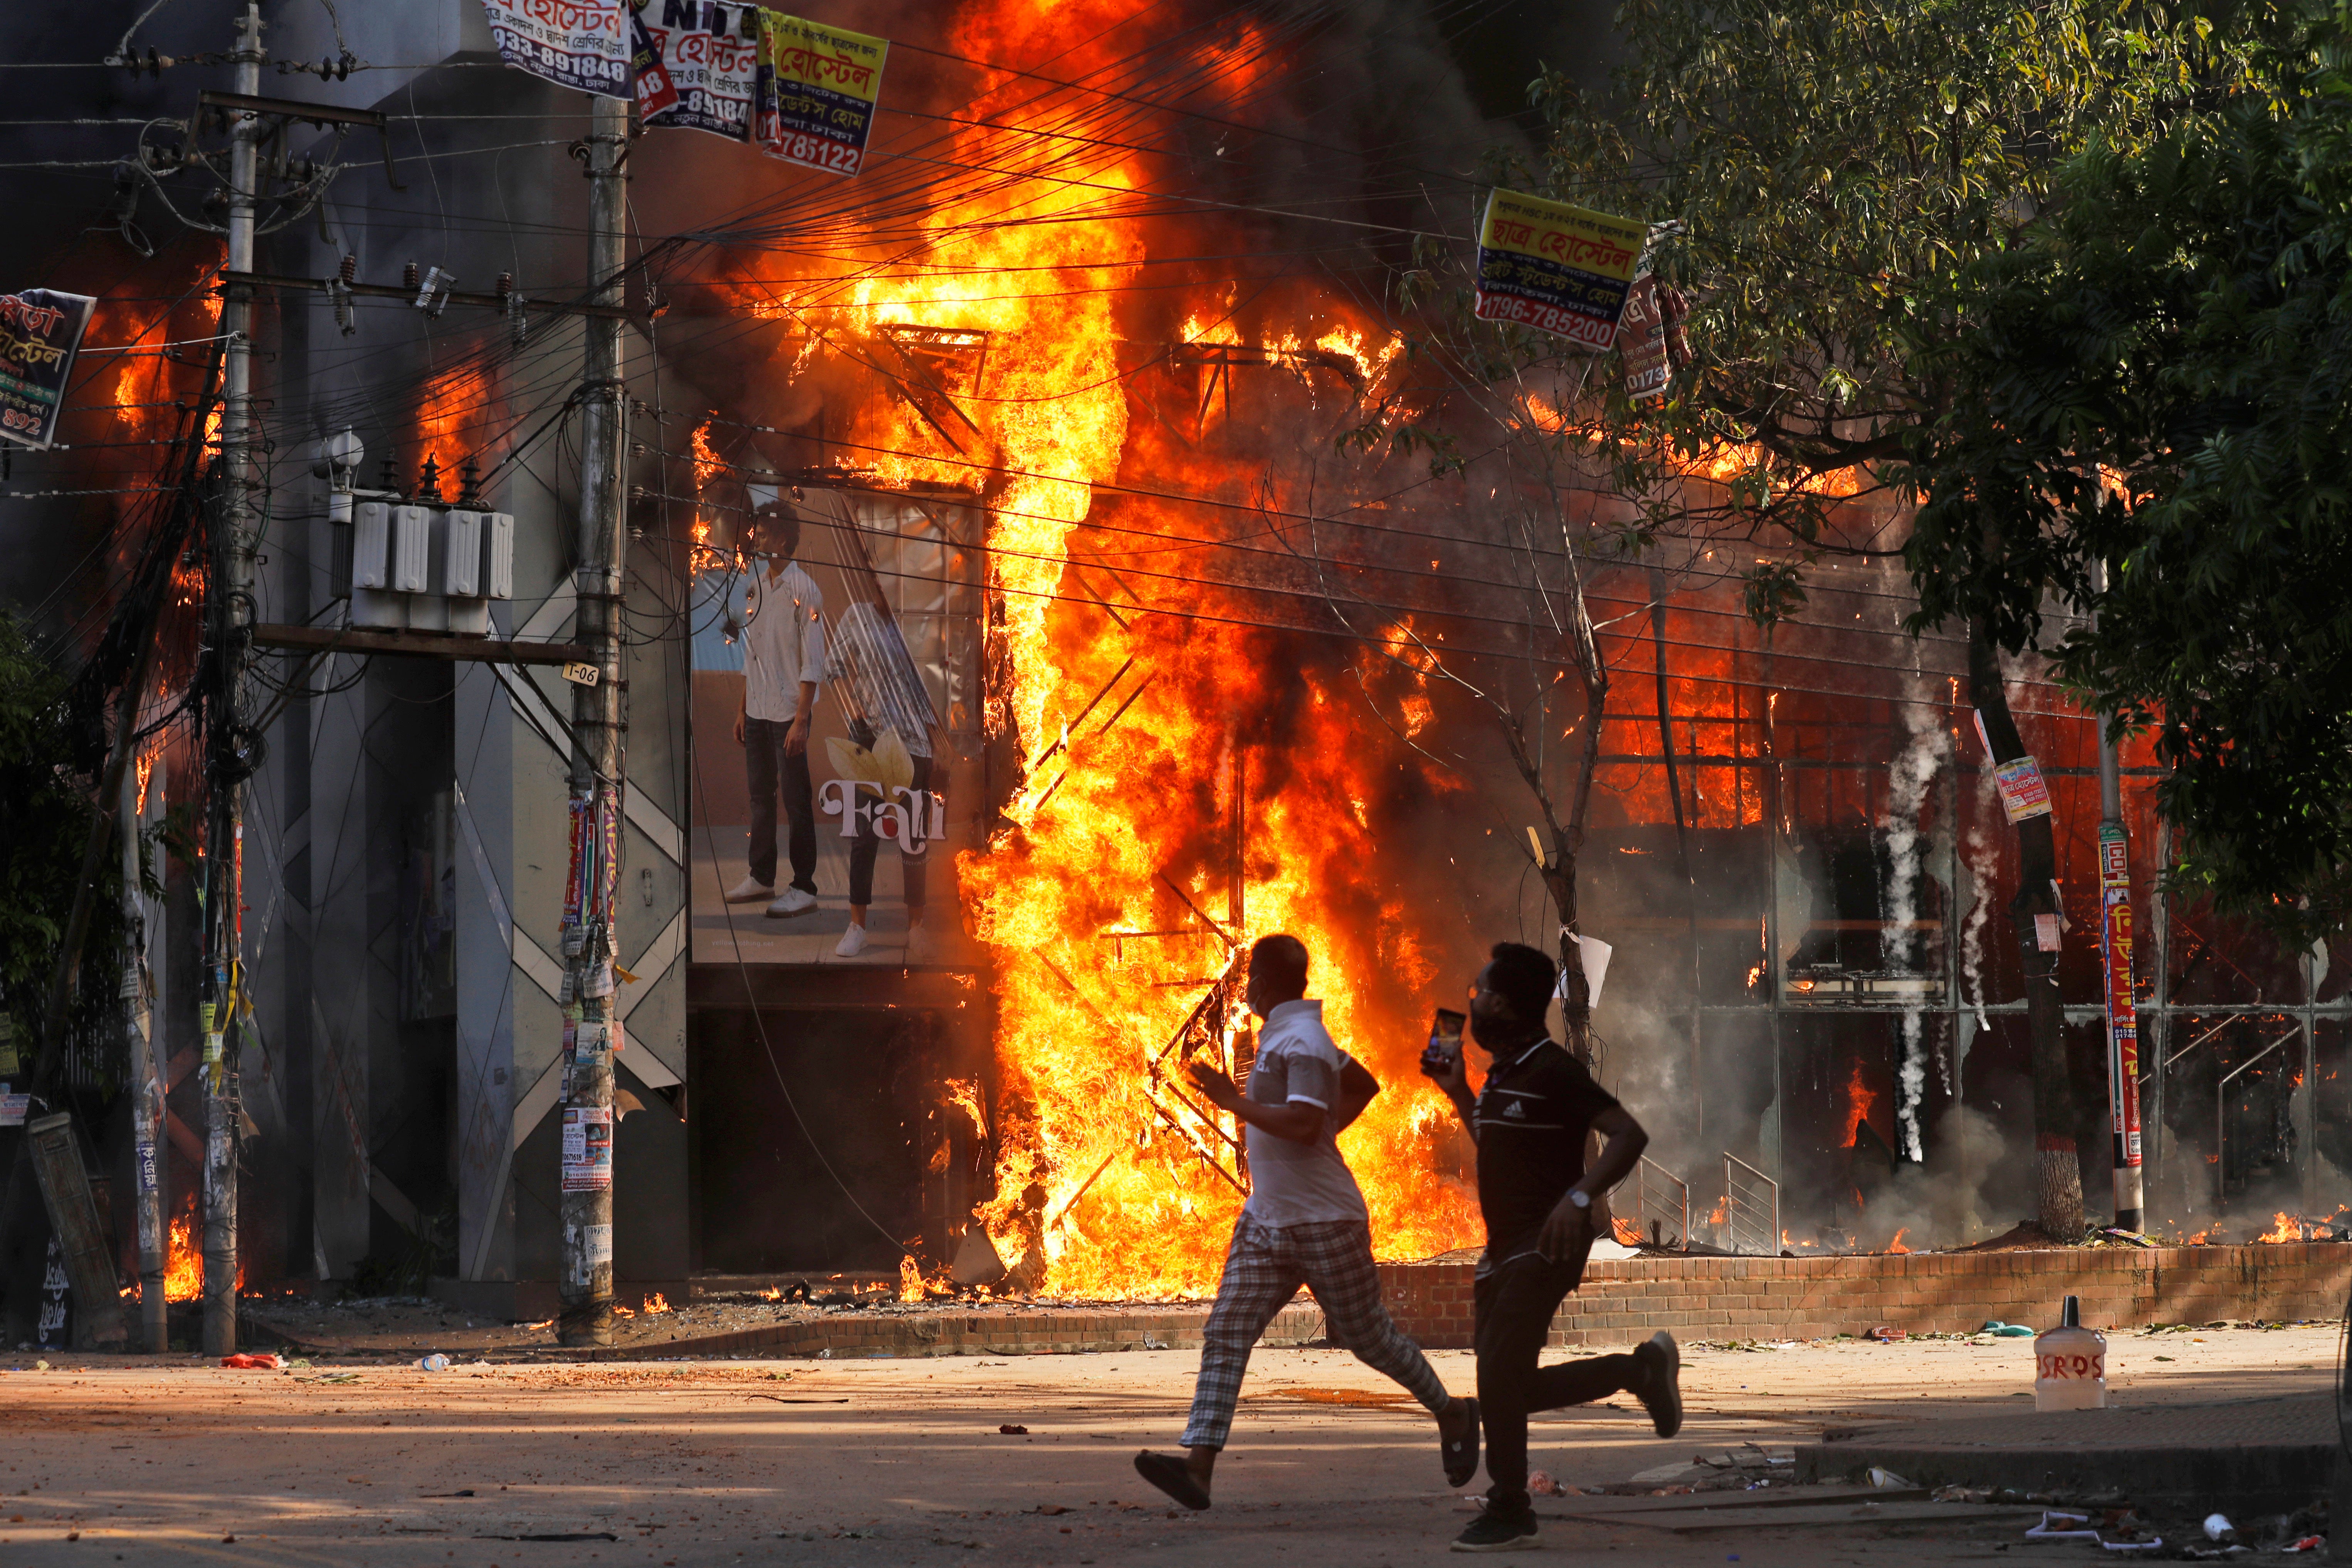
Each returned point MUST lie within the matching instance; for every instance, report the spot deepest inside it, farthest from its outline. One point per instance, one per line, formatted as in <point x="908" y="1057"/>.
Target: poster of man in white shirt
<point x="783" y="664"/>
<point x="837" y="636"/>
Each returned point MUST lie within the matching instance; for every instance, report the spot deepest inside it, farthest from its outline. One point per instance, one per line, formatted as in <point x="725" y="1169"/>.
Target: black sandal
<point x="1461" y="1454"/>
<point x="1169" y="1473"/>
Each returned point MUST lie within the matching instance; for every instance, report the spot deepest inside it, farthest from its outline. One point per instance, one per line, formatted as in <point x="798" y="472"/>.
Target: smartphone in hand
<point x="1444" y="1043"/>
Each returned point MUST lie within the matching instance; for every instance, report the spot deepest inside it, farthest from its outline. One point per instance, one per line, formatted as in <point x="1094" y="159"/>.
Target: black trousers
<point x="868" y="843"/>
<point x="767" y="767"/>
<point x="1514" y="1302"/>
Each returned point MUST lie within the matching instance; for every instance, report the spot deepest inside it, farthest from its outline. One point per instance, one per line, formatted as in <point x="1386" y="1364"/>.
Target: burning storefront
<point x="1176" y="581"/>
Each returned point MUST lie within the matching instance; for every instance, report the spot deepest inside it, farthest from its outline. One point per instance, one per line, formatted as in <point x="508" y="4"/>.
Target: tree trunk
<point x="2036" y="920"/>
<point x="1568" y="839"/>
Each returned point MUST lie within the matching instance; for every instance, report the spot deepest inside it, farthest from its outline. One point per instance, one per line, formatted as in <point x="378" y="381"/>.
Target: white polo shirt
<point x="783" y="640"/>
<point x="1294" y="1183"/>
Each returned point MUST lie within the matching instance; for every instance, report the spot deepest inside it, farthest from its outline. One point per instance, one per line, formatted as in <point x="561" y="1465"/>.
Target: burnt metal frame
<point x="1742" y="1197"/>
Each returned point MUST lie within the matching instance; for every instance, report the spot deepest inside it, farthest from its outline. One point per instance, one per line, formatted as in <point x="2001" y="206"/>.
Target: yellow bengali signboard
<point x="818" y="89"/>
<point x="1558" y="268"/>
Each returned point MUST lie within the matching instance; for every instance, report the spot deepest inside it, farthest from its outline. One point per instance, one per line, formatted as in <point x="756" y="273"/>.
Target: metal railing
<point x="1751" y="1204"/>
<point x="1661" y="1205"/>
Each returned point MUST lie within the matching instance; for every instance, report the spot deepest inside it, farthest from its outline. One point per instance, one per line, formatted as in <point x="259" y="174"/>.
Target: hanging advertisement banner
<point x="817" y="89"/>
<point x="577" y="44"/>
<point x="2122" y="1018"/>
<point x="40" y="333"/>
<point x="2022" y="791"/>
<point x="711" y="53"/>
<point x="1650" y="337"/>
<point x="1558" y="268"/>
<point x="648" y="77"/>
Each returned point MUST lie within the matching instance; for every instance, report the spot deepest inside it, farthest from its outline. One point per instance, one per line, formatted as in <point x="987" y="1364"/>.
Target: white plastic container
<point x="2069" y="1364"/>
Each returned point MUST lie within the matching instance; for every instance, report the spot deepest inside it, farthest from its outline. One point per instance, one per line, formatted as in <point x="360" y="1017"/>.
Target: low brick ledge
<point x="1920" y="1292"/>
<point x="1004" y="1331"/>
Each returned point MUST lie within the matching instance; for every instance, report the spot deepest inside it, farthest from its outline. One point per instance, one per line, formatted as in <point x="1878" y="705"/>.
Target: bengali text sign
<point x="1558" y="268"/>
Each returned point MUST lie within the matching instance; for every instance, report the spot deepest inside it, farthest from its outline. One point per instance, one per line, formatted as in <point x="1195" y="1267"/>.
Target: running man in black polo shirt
<point x="1530" y="1121"/>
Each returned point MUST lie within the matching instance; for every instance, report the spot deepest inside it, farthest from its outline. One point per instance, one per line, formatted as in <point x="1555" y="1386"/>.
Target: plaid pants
<point x="1264" y="1269"/>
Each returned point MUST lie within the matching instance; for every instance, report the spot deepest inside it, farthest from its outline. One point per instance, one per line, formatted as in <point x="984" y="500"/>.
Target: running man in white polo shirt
<point x="1305" y="1224"/>
<point x="784" y="658"/>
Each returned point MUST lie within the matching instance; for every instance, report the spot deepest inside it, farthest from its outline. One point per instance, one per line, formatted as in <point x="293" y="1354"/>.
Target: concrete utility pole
<point x="232" y="602"/>
<point x="2116" y="969"/>
<point x="597" y="757"/>
<point x="139" y="1040"/>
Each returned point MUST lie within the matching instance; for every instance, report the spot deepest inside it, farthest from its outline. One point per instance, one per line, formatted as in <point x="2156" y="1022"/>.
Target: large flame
<point x="1192" y="781"/>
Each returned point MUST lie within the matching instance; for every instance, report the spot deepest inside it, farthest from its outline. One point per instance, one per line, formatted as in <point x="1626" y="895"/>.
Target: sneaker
<point x="852" y="943"/>
<point x="1491" y="1531"/>
<point x="791" y="901"/>
<point x="750" y="890"/>
<point x="1661" y="1391"/>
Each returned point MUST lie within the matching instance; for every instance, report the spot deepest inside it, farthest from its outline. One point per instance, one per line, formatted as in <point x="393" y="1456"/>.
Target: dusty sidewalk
<point x="901" y="1461"/>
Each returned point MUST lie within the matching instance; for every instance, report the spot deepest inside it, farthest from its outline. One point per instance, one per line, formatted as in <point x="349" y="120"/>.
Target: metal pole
<point x="2116" y="966"/>
<point x="586" y="1287"/>
<point x="2308" y="1153"/>
<point x="225" y="846"/>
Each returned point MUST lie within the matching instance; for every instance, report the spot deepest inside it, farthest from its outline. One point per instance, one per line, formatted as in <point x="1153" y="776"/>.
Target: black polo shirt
<point x="1533" y="1114"/>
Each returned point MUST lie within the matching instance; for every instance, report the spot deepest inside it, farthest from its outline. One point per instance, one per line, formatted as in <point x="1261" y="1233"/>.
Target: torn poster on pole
<point x="1650" y="337"/>
<point x="578" y="44"/>
<point x="711" y="53"/>
<point x="1556" y="268"/>
<point x="817" y="93"/>
<point x="587" y="1148"/>
<point x="40" y="333"/>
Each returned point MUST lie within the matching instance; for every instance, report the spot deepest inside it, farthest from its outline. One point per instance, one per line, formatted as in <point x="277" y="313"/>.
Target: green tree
<point x="48" y="818"/>
<point x="1829" y="170"/>
<point x="2160" y="371"/>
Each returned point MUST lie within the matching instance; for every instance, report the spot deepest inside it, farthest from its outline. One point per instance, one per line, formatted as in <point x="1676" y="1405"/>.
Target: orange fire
<point x="1896" y="1244"/>
<point x="2287" y="1229"/>
<point x="1140" y="1181"/>
<point x="1628" y="1233"/>
<point x="707" y="467"/>
<point x="183" y="1268"/>
<point x="456" y="416"/>
<point x="1860" y="1101"/>
<point x="655" y="1304"/>
<point x="183" y="1256"/>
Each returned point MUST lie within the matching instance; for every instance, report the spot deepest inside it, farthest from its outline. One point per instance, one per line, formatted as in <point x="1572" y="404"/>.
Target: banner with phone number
<point x="1558" y="268"/>
<point x="580" y="44"/>
<point x="817" y="90"/>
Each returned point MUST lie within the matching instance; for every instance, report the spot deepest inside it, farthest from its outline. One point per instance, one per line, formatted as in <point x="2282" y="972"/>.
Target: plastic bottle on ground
<point x="2069" y="1364"/>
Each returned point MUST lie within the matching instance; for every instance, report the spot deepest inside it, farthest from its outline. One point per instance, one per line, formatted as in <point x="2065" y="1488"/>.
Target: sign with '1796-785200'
<point x="40" y="333"/>
<point x="1556" y="268"/>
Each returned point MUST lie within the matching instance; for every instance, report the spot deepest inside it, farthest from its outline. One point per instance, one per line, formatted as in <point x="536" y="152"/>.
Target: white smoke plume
<point x="1913" y="770"/>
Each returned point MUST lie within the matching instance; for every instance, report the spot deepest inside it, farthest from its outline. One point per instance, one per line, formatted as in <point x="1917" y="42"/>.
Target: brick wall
<point x="993" y="1331"/>
<point x="1922" y="1292"/>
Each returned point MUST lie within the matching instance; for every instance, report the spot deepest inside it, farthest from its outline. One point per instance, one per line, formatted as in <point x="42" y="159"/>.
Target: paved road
<point x="901" y="1461"/>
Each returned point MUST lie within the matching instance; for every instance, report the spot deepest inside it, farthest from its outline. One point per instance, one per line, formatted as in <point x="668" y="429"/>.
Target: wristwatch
<point x="1579" y="1196"/>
